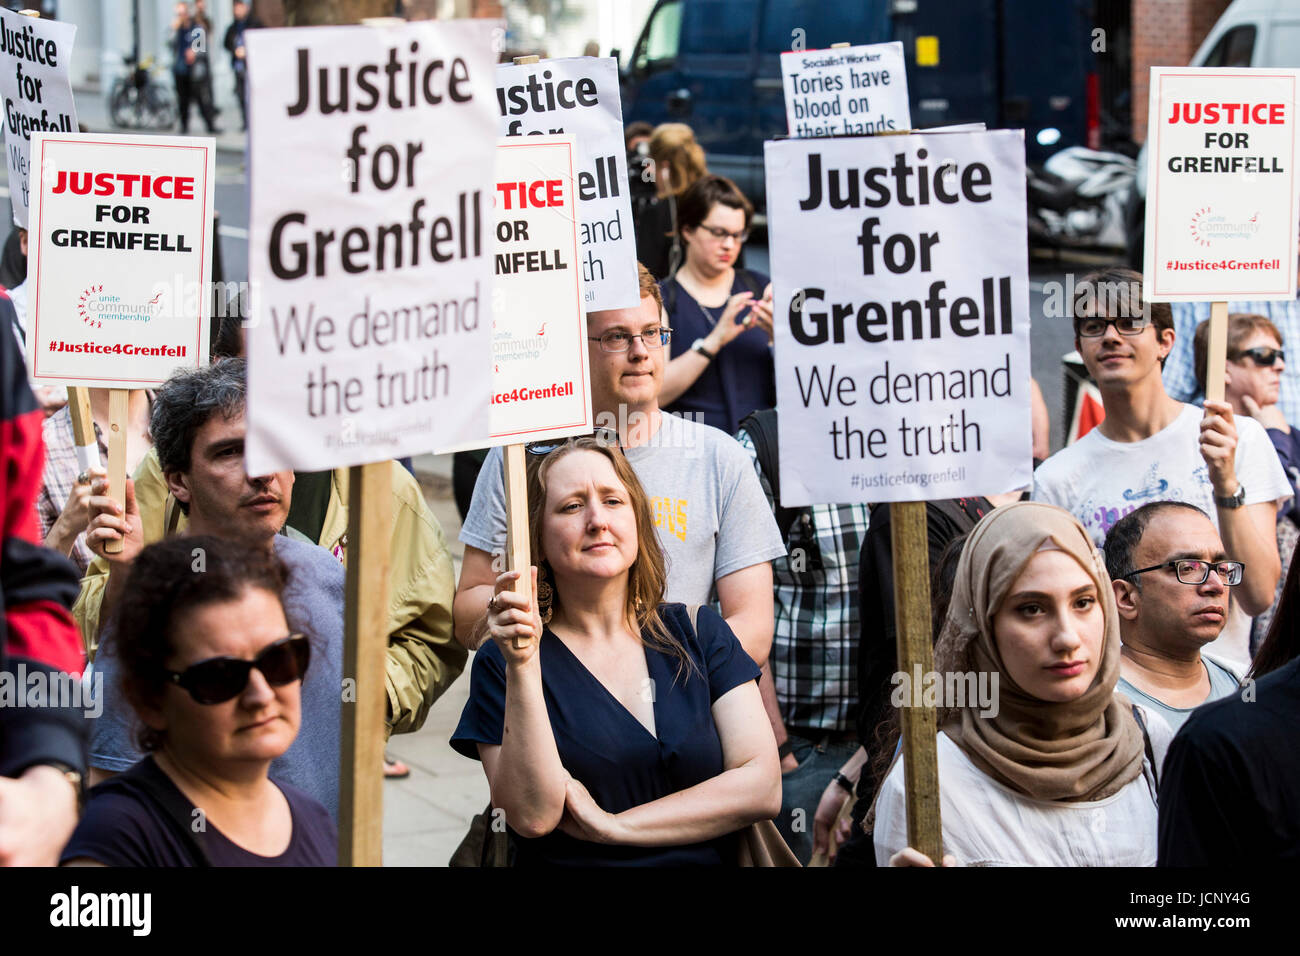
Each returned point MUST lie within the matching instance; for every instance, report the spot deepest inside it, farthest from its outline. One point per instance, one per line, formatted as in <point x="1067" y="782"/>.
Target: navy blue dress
<point x="607" y="749"/>
<point x="741" y="379"/>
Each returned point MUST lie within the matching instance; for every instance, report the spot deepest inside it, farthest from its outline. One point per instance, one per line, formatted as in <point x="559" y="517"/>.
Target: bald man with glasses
<point x="1172" y="578"/>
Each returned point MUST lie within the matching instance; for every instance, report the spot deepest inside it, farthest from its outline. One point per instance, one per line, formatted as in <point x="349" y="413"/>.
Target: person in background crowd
<point x="1230" y="795"/>
<point x="63" y="506"/>
<point x="640" y="168"/>
<point x="234" y="43"/>
<point x="198" y="428"/>
<point x="42" y="748"/>
<point x="721" y="367"/>
<point x="190" y="68"/>
<point x="809" y="683"/>
<point x="214" y="673"/>
<point x="1252" y="386"/>
<point x="1171" y="579"/>
<point x="13" y="259"/>
<point x="678" y="164"/>
<point x="713" y="521"/>
<point x="1049" y="767"/>
<point x="636" y="736"/>
<point x="1150" y="447"/>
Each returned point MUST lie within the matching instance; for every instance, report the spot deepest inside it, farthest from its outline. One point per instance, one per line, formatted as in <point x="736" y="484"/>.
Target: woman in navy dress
<point x="623" y="736"/>
<point x="721" y="315"/>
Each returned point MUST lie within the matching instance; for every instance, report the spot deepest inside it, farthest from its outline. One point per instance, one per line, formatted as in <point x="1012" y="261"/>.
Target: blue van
<point x="714" y="65"/>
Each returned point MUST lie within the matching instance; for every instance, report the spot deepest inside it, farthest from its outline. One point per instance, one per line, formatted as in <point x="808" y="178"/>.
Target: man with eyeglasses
<point x="1151" y="447"/>
<point x="1171" y="577"/>
<point x="713" y="519"/>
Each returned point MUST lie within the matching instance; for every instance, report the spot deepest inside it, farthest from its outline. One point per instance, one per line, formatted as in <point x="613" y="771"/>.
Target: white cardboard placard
<point x="901" y="317"/>
<point x="34" y="57"/>
<point x="847" y="91"/>
<point x="370" y="238"/>
<point x="580" y="95"/>
<point x="1223" y="200"/>
<point x="119" y="258"/>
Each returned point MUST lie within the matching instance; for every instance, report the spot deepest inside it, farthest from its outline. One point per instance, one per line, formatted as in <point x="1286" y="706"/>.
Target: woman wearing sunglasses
<point x="213" y="673"/>
<point x="721" y="316"/>
<point x="1252" y="384"/>
<point x="1046" y="765"/>
<point x="618" y="733"/>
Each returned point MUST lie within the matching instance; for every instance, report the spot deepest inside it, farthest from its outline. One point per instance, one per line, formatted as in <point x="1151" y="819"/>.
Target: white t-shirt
<point x="988" y="824"/>
<point x="1099" y="480"/>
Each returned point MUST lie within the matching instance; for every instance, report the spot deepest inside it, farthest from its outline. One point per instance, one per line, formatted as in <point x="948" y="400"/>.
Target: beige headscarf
<point x="1084" y="749"/>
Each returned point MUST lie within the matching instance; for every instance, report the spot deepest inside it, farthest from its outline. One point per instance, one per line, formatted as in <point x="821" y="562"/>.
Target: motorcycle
<point x="1076" y="199"/>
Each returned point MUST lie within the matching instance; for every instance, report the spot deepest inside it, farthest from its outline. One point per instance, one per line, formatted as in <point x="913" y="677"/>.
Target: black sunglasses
<point x="607" y="437"/>
<point x="1095" y="327"/>
<point x="219" y="679"/>
<point x="1263" y="357"/>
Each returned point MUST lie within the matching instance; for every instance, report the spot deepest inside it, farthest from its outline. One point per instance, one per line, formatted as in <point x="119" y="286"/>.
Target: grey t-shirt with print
<point x="708" y="506"/>
<point x="1222" y="683"/>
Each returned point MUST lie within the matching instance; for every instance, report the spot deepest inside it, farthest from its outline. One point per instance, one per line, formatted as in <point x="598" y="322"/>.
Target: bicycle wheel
<point x="161" y="106"/>
<point x="122" y="106"/>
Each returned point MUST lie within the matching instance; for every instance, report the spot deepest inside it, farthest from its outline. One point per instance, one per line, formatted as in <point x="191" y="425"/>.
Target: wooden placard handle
<point x="916" y="653"/>
<point x="1216" y="360"/>
<point x="527" y="60"/>
<point x="84" y="439"/>
<point x="118" y="411"/>
<point x="518" y="552"/>
<point x="365" y="652"/>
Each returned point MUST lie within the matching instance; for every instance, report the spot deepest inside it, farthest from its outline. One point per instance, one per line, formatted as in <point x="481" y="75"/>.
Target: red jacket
<point x="37" y="588"/>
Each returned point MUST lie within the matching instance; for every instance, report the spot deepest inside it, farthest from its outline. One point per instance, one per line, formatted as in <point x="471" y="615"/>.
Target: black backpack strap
<point x="146" y="779"/>
<point x="1146" y="745"/>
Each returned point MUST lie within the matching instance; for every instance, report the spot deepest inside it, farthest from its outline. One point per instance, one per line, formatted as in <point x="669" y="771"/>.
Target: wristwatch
<point x="843" y="781"/>
<point x="1234" y="501"/>
<point x="698" y="346"/>
<point x="69" y="774"/>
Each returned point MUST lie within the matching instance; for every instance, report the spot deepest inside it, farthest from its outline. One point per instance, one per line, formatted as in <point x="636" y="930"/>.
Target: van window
<point x="663" y="37"/>
<point x="718" y="26"/>
<point x="1234" y="48"/>
<point x="1285" y="45"/>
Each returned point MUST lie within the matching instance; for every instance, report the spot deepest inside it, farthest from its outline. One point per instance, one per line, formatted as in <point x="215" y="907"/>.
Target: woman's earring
<point x="545" y="595"/>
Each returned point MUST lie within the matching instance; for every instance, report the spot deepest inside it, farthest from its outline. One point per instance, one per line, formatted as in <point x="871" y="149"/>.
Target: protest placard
<point x="119" y="258"/>
<point x="1222" y="196"/>
<point x="370" y="277"/>
<point x="34" y="57"/>
<point x="902" y="316"/>
<point x="846" y="90"/>
<point x="540" y="379"/>
<point x="580" y="96"/>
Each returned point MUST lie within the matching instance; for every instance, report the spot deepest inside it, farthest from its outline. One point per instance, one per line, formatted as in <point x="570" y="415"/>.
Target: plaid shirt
<point x="815" y="644"/>
<point x="61" y="470"/>
<point x="1180" y="370"/>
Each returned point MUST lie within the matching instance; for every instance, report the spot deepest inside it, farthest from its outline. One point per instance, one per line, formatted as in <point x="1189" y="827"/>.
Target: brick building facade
<point x="1166" y="33"/>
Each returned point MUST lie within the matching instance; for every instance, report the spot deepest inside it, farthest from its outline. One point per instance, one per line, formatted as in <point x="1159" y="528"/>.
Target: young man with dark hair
<point x="1150" y="447"/>
<point x="1171" y="578"/>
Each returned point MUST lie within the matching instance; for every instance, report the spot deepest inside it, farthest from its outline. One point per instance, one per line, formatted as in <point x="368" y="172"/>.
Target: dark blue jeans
<point x="802" y="788"/>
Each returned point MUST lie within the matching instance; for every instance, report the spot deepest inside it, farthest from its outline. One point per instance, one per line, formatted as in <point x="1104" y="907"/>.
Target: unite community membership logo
<point x="95" y="307"/>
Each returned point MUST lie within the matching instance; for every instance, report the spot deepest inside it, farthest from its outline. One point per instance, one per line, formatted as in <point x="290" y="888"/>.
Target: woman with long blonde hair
<point x="619" y="733"/>
<point x="678" y="163"/>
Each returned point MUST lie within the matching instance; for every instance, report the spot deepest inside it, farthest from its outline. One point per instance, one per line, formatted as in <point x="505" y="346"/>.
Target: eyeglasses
<point x="721" y="234"/>
<point x="1092" y="328"/>
<point x="1263" y="357"/>
<point x="220" y="679"/>
<point x="620" y="340"/>
<point x="1197" y="572"/>
<point x="606" y="437"/>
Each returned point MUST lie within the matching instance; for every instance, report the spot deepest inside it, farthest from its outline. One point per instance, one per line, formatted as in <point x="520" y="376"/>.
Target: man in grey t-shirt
<point x="1171" y="578"/>
<point x="714" y="523"/>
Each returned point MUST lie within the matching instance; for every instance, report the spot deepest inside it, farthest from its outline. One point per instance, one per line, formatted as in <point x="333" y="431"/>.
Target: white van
<point x="1259" y="33"/>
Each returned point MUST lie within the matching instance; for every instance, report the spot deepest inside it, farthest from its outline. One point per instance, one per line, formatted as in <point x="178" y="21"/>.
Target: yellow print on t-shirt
<point x="670" y="515"/>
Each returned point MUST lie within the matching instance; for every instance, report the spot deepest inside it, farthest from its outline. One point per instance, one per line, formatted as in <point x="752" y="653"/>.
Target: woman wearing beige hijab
<point x="1049" y="767"/>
